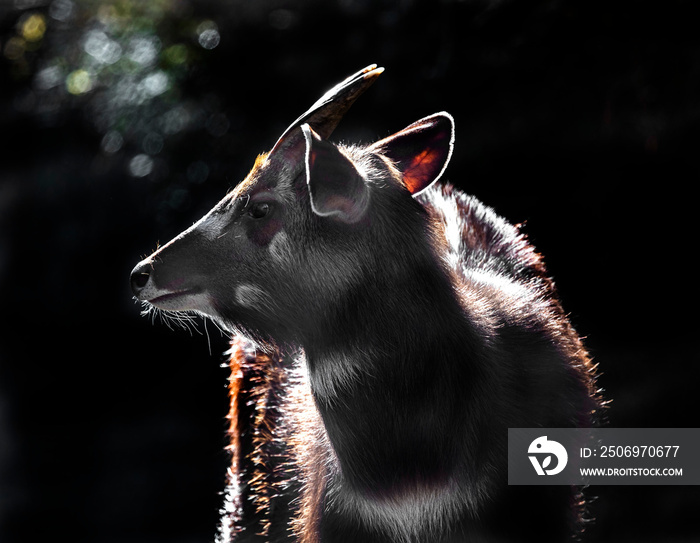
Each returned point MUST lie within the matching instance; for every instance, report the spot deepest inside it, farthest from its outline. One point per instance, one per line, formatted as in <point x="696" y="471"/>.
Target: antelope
<point x="387" y="330"/>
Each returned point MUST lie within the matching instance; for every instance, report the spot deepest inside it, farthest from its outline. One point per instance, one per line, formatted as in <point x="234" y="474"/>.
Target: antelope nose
<point x="139" y="277"/>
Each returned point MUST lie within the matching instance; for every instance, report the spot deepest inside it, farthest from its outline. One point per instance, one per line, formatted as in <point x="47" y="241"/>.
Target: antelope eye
<point x="259" y="210"/>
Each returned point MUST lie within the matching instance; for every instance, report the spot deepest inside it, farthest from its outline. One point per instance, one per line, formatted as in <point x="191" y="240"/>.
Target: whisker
<point x="206" y="331"/>
<point x="185" y="320"/>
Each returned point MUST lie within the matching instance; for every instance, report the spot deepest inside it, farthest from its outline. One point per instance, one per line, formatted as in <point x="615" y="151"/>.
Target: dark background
<point x="124" y="121"/>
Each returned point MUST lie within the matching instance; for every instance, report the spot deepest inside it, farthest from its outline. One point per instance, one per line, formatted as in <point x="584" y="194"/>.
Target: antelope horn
<point x="328" y="110"/>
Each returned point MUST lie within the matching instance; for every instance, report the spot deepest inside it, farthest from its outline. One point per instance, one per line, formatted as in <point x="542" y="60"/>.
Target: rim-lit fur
<point x="388" y="331"/>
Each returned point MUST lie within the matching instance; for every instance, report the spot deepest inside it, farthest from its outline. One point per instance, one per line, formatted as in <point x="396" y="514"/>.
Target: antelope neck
<point x="389" y="388"/>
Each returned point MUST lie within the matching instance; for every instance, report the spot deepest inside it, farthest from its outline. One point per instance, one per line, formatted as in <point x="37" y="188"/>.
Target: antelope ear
<point x="421" y="151"/>
<point x="336" y="188"/>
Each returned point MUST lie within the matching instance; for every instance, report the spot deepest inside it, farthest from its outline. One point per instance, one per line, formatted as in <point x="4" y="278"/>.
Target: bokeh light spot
<point x="155" y="83"/>
<point x="141" y="165"/>
<point x="176" y="54"/>
<point x="208" y="34"/>
<point x="102" y="48"/>
<point x="61" y="10"/>
<point x="112" y="142"/>
<point x="152" y="143"/>
<point x="48" y="77"/>
<point x="33" y="27"/>
<point x="175" y="120"/>
<point x="79" y="82"/>
<point x="144" y="50"/>
<point x="15" y="48"/>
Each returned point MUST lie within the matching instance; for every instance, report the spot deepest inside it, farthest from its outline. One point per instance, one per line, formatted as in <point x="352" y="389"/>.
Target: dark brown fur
<point x="390" y="330"/>
<point x="500" y="322"/>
